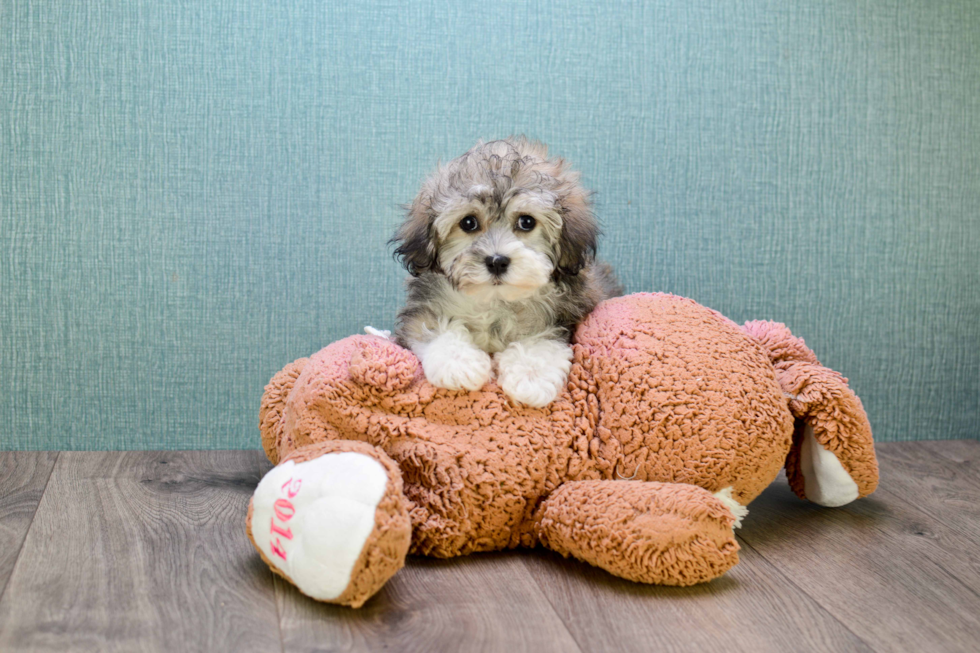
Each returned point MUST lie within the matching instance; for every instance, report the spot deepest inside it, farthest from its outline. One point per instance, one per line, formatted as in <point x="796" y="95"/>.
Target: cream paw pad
<point x="317" y="521"/>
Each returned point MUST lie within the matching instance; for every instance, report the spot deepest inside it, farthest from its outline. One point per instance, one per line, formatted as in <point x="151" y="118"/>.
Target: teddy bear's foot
<point x="664" y="533"/>
<point x="333" y="524"/>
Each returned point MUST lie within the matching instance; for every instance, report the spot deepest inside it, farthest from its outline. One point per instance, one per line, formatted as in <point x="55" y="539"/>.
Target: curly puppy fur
<point x="501" y="245"/>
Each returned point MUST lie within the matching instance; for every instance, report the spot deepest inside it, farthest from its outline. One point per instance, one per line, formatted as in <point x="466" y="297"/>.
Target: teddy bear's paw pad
<point x="312" y="519"/>
<point x="534" y="373"/>
<point x="451" y="362"/>
<point x="825" y="481"/>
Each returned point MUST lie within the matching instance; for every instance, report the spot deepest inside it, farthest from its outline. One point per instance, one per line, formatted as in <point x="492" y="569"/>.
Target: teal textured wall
<point x="194" y="194"/>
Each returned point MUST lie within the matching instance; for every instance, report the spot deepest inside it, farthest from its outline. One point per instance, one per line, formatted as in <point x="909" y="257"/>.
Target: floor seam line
<point x="20" y="548"/>
<point x="275" y="599"/>
<point x="552" y="606"/>
<point x="793" y="582"/>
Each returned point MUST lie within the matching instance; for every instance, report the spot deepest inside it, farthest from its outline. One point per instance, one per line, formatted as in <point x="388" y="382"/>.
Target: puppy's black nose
<point x="497" y="264"/>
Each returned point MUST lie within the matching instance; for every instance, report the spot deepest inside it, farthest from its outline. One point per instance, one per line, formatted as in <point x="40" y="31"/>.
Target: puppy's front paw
<point x="533" y="372"/>
<point x="451" y="361"/>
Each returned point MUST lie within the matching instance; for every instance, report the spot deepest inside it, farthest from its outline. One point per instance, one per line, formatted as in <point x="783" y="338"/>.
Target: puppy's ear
<point x="416" y="243"/>
<point x="579" y="232"/>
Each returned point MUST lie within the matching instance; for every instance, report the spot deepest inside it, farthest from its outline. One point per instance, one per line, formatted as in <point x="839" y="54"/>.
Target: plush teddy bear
<point x="673" y="419"/>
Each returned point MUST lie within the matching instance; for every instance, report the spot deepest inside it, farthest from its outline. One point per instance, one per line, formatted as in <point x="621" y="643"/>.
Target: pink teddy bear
<point x="673" y="419"/>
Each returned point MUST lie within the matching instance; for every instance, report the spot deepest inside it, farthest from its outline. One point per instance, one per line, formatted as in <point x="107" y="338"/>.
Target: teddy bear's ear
<point x="383" y="364"/>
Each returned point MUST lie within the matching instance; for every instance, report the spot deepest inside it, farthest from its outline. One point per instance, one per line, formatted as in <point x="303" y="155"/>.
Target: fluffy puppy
<point x="501" y="244"/>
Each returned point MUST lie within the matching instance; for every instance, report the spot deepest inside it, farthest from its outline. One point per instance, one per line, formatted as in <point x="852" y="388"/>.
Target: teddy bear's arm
<point x="665" y="533"/>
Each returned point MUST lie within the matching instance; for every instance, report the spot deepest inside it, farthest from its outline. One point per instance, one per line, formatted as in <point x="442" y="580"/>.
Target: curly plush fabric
<point x="664" y="392"/>
<point x="666" y="533"/>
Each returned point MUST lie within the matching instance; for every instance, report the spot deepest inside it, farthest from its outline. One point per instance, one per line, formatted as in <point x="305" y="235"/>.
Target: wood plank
<point x="482" y="602"/>
<point x="23" y="475"/>
<point x="142" y="551"/>
<point x="147" y="551"/>
<point x="932" y="472"/>
<point x="965" y="454"/>
<point x="751" y="608"/>
<point x="947" y="491"/>
<point x="880" y="565"/>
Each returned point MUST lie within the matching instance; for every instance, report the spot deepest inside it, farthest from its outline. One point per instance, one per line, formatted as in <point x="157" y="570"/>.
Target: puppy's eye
<point x="469" y="224"/>
<point x="526" y="223"/>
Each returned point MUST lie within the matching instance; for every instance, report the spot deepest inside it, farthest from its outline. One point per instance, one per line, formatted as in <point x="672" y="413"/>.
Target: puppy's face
<point x="500" y="222"/>
<point x="502" y="247"/>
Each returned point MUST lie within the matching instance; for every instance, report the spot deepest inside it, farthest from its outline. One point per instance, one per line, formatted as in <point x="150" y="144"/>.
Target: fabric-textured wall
<point x="194" y="194"/>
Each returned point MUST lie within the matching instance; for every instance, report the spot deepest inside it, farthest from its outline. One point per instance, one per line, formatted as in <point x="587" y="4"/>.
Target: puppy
<point x="501" y="247"/>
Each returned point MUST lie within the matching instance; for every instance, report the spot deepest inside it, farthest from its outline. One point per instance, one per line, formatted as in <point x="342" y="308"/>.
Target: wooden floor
<point x="146" y="551"/>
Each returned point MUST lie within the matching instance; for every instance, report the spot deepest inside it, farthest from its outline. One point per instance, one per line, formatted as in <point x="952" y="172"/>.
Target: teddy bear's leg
<point x="832" y="460"/>
<point x="332" y="519"/>
<point x="665" y="533"/>
<point x="274" y="440"/>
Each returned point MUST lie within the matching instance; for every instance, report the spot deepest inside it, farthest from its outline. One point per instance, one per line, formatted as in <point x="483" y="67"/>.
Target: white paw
<point x="312" y="519"/>
<point x="452" y="361"/>
<point x="533" y="372"/>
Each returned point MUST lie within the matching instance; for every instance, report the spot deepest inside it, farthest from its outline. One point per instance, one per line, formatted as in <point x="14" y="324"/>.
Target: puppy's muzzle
<point x="497" y="264"/>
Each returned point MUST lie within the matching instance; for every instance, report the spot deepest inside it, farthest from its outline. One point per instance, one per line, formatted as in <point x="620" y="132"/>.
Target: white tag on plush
<point x="371" y="331"/>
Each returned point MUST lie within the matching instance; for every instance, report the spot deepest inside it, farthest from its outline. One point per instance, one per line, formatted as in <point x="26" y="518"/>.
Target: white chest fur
<point x="494" y="322"/>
